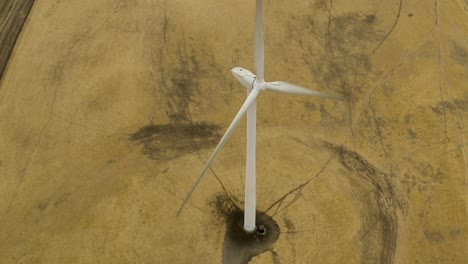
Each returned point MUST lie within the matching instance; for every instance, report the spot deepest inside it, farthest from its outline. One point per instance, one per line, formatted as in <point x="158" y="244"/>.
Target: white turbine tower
<point x="254" y="84"/>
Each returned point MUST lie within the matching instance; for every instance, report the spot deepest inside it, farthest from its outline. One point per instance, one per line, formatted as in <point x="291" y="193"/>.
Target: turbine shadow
<point x="240" y="247"/>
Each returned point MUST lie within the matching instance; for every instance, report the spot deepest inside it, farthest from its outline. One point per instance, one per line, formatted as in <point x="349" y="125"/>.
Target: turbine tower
<point x="250" y="193"/>
<point x="254" y="84"/>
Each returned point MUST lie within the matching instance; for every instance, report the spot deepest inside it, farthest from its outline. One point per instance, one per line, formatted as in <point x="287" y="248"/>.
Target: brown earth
<point x="109" y="110"/>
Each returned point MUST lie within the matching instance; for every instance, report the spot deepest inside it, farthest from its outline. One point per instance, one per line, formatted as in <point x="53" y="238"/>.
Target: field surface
<point x="109" y="110"/>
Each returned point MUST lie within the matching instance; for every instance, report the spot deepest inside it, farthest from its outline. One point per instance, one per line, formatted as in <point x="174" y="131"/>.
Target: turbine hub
<point x="262" y="86"/>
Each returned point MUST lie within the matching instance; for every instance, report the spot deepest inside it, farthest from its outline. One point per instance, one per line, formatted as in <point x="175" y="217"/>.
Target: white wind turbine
<point x="254" y="84"/>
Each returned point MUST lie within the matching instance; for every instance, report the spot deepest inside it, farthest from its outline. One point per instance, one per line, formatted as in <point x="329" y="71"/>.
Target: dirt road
<point x="13" y="15"/>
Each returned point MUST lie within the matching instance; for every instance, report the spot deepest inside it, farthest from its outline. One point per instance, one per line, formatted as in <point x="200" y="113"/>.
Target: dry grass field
<point x="109" y="110"/>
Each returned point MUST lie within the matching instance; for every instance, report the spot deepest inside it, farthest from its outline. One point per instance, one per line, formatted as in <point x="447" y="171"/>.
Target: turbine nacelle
<point x="244" y="76"/>
<point x="250" y="81"/>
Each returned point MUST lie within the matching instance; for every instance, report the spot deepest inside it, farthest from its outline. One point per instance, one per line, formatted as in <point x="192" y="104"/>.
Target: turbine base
<point x="261" y="230"/>
<point x="250" y="232"/>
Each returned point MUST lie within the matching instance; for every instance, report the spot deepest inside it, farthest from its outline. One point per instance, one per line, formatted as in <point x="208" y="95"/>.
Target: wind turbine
<point x="254" y="85"/>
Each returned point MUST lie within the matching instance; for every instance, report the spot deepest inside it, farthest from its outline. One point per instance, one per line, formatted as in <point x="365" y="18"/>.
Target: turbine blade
<point x="284" y="87"/>
<point x="258" y="49"/>
<point x="250" y="99"/>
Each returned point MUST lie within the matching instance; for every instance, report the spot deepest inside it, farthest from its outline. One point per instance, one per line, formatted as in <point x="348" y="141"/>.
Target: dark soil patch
<point x="240" y="247"/>
<point x="169" y="141"/>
